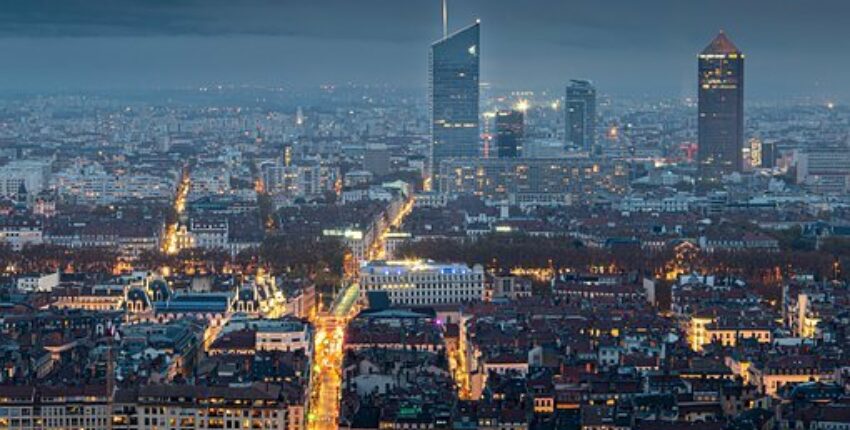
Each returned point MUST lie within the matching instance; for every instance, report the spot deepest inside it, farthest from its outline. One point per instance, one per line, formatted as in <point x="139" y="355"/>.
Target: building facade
<point x="510" y="132"/>
<point x="292" y="180"/>
<point x="825" y="169"/>
<point x="423" y="283"/>
<point x="30" y="408"/>
<point x="527" y="180"/>
<point x="580" y="115"/>
<point x="453" y="96"/>
<point x="30" y="176"/>
<point x="18" y="232"/>
<point x="721" y="109"/>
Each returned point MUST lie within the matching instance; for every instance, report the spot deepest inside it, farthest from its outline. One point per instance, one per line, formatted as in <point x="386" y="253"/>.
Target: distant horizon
<point x="288" y="90"/>
<point x="644" y="48"/>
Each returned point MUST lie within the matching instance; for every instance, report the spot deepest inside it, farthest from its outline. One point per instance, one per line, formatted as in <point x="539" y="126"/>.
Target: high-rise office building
<point x="453" y="96"/>
<point x="721" y="109"/>
<point x="768" y="155"/>
<point x="580" y="115"/>
<point x="510" y="132"/>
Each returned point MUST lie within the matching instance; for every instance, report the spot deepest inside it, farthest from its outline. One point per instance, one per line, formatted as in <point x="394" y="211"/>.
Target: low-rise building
<point x="258" y="405"/>
<point x="18" y="232"/>
<point x="423" y="283"/>
<point x="38" y="282"/>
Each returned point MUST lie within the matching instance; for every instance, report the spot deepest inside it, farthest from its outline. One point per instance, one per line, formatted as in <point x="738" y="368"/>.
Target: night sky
<point x="636" y="47"/>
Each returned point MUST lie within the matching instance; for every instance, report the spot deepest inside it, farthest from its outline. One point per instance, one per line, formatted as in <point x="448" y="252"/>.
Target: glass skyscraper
<point x="721" y="109"/>
<point x="453" y="97"/>
<point x="510" y="131"/>
<point x="580" y="115"/>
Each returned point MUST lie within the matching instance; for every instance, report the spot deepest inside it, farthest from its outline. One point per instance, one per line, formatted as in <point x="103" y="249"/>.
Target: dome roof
<point x="137" y="294"/>
<point x="160" y="290"/>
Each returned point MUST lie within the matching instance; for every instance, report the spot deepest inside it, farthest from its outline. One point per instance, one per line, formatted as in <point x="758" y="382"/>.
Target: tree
<point x="266" y="209"/>
<point x="303" y="256"/>
<point x="509" y="251"/>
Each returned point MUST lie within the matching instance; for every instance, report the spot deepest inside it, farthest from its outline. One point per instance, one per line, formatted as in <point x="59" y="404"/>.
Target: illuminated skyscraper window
<point x="453" y="96"/>
<point x="509" y="133"/>
<point x="721" y="109"/>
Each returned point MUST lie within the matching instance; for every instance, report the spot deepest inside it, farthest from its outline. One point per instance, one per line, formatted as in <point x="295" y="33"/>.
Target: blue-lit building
<point x="423" y="282"/>
<point x="453" y="96"/>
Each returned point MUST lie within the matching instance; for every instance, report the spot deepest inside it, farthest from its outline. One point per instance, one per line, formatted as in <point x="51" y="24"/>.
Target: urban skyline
<point x="522" y="245"/>
<point x="203" y="49"/>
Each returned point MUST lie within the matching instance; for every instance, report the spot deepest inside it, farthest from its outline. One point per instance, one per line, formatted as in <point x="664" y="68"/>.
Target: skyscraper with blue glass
<point x="453" y="97"/>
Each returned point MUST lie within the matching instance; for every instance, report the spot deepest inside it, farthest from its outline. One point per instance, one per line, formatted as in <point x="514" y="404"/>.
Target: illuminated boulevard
<point x="329" y="343"/>
<point x="326" y="377"/>
<point x="169" y="243"/>
<point x="378" y="250"/>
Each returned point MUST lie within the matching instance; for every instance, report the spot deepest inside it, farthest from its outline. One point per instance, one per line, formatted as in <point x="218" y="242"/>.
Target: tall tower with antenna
<point x="445" y="19"/>
<point x="453" y="94"/>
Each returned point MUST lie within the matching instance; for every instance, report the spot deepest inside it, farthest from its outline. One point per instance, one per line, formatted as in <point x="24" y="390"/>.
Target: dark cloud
<point x="350" y="19"/>
<point x="637" y="46"/>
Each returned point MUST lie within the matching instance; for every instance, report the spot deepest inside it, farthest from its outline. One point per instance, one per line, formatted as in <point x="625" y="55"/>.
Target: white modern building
<point x="423" y="283"/>
<point x="679" y="202"/>
<point x="19" y="232"/>
<point x="37" y="282"/>
<point x="824" y="170"/>
<point x="209" y="233"/>
<point x="31" y="174"/>
<point x="90" y="183"/>
<point x="302" y="180"/>
<point x="209" y="179"/>
<point x="283" y="335"/>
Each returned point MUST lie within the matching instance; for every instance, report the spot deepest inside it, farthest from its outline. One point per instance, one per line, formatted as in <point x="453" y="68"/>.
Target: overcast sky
<point x="793" y="47"/>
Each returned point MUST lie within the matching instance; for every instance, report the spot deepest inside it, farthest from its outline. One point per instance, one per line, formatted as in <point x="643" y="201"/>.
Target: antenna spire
<point x="445" y="19"/>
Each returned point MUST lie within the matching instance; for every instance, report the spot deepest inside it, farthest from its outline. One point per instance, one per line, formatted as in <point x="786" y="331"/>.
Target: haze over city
<point x="424" y="215"/>
<point x="632" y="47"/>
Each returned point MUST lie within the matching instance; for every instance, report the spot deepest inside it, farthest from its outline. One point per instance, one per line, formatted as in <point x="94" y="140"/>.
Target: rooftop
<point x="721" y="45"/>
<point x="399" y="267"/>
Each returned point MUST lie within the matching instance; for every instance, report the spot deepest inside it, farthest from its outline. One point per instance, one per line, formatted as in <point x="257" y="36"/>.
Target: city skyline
<point x="424" y="214"/>
<point x="168" y="46"/>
